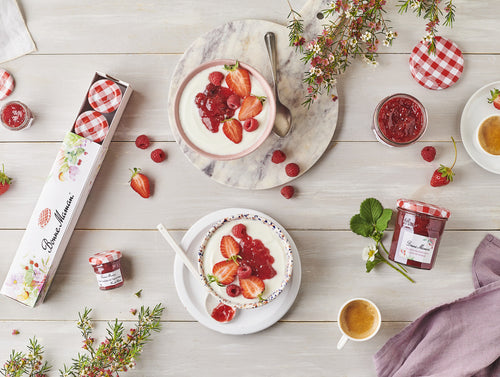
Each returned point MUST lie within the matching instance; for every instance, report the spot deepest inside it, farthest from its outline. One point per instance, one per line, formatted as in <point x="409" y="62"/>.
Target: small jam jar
<point x="16" y="116"/>
<point x="417" y="233"/>
<point x="399" y="120"/>
<point x="107" y="268"/>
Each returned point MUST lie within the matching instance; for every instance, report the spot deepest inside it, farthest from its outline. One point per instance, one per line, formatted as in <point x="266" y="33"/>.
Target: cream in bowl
<point x="488" y="135"/>
<point x="224" y="109"/>
<point x="245" y="260"/>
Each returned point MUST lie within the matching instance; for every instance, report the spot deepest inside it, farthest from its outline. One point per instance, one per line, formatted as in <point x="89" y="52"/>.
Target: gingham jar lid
<point x="7" y="84"/>
<point x="425" y="208"/>
<point x="439" y="70"/>
<point x="105" y="96"/>
<point x="92" y="125"/>
<point x="105" y="257"/>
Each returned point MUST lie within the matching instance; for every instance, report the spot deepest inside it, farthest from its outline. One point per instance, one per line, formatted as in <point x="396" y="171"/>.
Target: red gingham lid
<point x="439" y="70"/>
<point x="6" y="84"/>
<point x="92" y="125"/>
<point x="105" y="96"/>
<point x="105" y="257"/>
<point x="421" y="207"/>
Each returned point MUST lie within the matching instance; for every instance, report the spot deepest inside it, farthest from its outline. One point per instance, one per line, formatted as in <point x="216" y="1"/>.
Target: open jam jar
<point x="16" y="116"/>
<point x="107" y="268"/>
<point x="417" y="233"/>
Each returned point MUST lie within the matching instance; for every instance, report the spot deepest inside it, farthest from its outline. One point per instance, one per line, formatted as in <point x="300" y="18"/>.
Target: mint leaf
<point x="371" y="264"/>
<point x="383" y="220"/>
<point x="371" y="210"/>
<point x="361" y="226"/>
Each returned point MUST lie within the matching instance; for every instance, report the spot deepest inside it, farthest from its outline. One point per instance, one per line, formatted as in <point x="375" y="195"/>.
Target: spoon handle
<point x="270" y="40"/>
<point x="178" y="251"/>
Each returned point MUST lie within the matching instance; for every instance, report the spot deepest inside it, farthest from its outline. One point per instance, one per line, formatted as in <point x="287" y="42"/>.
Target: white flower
<point x="316" y="48"/>
<point x="366" y="36"/>
<point x="387" y="43"/>
<point x="369" y="252"/>
<point x="331" y="58"/>
<point x="414" y="4"/>
<point x="427" y="37"/>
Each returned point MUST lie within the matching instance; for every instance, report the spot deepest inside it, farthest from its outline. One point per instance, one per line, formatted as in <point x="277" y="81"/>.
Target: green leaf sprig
<point x="371" y="222"/>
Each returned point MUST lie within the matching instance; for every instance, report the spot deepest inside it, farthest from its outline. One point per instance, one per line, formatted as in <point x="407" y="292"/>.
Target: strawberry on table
<point x="229" y="248"/>
<point x="223" y="273"/>
<point x="444" y="175"/>
<point x="233" y="130"/>
<point x="140" y="183"/>
<point x="252" y="287"/>
<point x="4" y="181"/>
<point x="495" y="98"/>
<point x="238" y="79"/>
<point x="251" y="107"/>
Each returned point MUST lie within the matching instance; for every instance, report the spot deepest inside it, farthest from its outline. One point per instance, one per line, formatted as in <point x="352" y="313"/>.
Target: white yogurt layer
<point x="256" y="230"/>
<point x="216" y="143"/>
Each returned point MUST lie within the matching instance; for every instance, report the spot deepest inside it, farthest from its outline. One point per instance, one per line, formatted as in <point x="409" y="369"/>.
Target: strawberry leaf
<point x="360" y="226"/>
<point x="371" y="210"/>
<point x="371" y="264"/>
<point x="383" y="220"/>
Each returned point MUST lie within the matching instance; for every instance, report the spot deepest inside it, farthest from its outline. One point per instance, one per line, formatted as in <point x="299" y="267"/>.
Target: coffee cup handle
<point x="342" y="342"/>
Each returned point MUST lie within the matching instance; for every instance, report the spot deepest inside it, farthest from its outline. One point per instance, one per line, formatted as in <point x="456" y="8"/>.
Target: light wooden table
<point x="140" y="42"/>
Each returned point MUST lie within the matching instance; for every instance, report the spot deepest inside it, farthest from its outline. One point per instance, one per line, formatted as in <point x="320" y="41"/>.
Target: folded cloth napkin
<point x="15" y="39"/>
<point x="459" y="339"/>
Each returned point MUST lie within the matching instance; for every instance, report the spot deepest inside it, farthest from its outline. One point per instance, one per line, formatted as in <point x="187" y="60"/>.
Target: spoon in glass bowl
<point x="283" y="121"/>
<point x="217" y="310"/>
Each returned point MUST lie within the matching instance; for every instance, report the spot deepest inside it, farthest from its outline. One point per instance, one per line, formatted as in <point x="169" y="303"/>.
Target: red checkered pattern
<point x="421" y="207"/>
<point x="439" y="70"/>
<point x="92" y="125"/>
<point x="105" y="257"/>
<point x="105" y="96"/>
<point x="6" y="84"/>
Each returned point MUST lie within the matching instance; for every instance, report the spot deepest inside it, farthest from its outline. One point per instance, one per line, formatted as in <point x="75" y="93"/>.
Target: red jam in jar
<point x="107" y="268"/>
<point x="399" y="120"/>
<point x="417" y="233"/>
<point x="16" y="116"/>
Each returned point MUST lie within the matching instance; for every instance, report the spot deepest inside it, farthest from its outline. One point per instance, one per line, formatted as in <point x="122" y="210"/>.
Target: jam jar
<point x="417" y="233"/>
<point x="16" y="116"/>
<point x="107" y="268"/>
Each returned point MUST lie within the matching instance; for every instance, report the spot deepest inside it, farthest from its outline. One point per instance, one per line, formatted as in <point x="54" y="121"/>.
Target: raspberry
<point x="158" y="155"/>
<point x="287" y="192"/>
<point x="292" y="170"/>
<point x="278" y="157"/>
<point x="233" y="290"/>
<point x="239" y="231"/>
<point x="428" y="153"/>
<point x="244" y="271"/>
<point x="142" y="142"/>
<point x="216" y="78"/>
<point x="233" y="101"/>
<point x="251" y="124"/>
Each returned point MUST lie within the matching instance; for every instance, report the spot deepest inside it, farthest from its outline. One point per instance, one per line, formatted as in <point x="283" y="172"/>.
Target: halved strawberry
<point x="495" y="98"/>
<point x="229" y="248"/>
<point x="140" y="183"/>
<point x="238" y="80"/>
<point x="251" y="107"/>
<point x="233" y="130"/>
<point x="252" y="287"/>
<point x="223" y="273"/>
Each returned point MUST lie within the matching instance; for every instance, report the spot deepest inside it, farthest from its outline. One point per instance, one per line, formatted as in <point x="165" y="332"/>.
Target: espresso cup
<point x="488" y="135"/>
<point x="359" y="320"/>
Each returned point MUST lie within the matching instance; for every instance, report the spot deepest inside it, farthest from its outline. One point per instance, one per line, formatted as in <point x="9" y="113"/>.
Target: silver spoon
<point x="283" y="121"/>
<point x="210" y="301"/>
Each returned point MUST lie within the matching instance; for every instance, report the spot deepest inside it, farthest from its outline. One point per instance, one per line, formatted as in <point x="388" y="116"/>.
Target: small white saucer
<point x="192" y="293"/>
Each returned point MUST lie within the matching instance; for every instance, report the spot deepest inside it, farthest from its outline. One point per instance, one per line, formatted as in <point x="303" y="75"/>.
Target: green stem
<point x="399" y="265"/>
<point x="398" y="270"/>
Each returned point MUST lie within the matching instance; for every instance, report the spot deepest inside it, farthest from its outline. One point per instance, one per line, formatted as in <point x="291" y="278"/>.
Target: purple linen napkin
<point x="459" y="339"/>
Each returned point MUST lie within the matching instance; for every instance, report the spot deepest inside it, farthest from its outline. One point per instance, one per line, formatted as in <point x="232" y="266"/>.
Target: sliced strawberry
<point x="495" y="98"/>
<point x="233" y="130"/>
<point x="223" y="273"/>
<point x="252" y="287"/>
<point x="140" y="183"/>
<point x="229" y="248"/>
<point x="238" y="80"/>
<point x="251" y="107"/>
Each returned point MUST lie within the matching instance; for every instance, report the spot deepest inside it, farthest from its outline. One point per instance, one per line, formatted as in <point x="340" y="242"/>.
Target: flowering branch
<point x="30" y="364"/>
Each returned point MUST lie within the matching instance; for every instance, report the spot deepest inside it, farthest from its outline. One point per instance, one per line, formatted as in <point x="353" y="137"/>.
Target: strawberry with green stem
<point x="444" y="175"/>
<point x="5" y="181"/>
<point x="495" y="98"/>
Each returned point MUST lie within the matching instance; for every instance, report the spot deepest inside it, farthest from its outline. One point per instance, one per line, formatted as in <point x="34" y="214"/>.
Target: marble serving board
<point x="312" y="130"/>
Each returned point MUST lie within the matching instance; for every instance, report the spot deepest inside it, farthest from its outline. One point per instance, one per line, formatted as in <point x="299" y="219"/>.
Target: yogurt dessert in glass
<point x="245" y="260"/>
<point x="224" y="109"/>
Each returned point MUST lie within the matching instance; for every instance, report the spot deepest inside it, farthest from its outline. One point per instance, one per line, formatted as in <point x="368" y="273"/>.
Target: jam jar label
<point x="415" y="247"/>
<point x="109" y="279"/>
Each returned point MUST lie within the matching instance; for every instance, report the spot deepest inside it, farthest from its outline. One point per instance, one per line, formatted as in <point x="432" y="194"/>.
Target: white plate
<point x="192" y="293"/>
<point x="475" y="110"/>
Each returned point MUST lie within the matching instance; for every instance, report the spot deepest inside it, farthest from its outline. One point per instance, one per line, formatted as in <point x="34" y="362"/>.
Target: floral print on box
<point x="69" y="157"/>
<point x="27" y="283"/>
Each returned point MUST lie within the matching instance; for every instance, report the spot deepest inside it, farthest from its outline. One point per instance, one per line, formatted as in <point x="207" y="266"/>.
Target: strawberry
<point x="251" y="107"/>
<point x="229" y="248"/>
<point x="4" y="181"/>
<point x="238" y="79"/>
<point x="223" y="273"/>
<point x="495" y="98"/>
<point x="252" y="287"/>
<point x="444" y="175"/>
<point x="216" y="78"/>
<point x="140" y="183"/>
<point x="233" y="130"/>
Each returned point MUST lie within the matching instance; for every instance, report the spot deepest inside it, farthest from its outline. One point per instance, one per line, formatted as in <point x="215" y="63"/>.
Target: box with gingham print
<point x="66" y="190"/>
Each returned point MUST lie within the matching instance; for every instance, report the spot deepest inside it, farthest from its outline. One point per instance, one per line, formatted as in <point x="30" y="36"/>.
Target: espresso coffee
<point x="359" y="319"/>
<point x="488" y="135"/>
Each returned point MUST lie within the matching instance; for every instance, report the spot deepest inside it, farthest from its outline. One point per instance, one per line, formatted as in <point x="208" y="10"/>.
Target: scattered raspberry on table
<point x="428" y="153"/>
<point x="158" y="155"/>
<point x="142" y="142"/>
